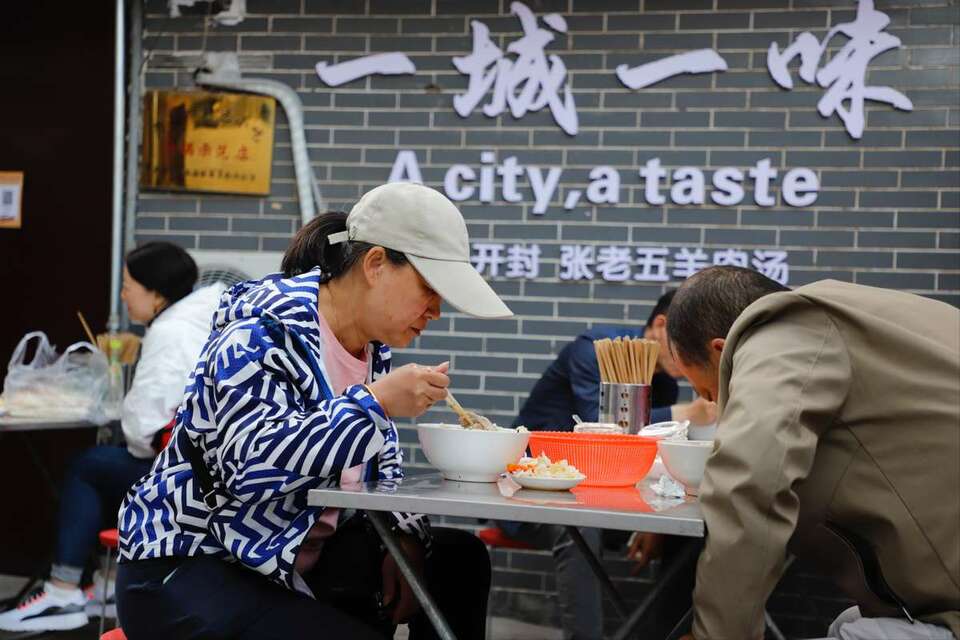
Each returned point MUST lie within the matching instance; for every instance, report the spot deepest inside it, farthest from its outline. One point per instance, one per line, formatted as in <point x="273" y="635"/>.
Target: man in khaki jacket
<point x="839" y="404"/>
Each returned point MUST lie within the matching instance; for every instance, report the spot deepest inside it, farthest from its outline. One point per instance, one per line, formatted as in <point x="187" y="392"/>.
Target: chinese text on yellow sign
<point x="200" y="141"/>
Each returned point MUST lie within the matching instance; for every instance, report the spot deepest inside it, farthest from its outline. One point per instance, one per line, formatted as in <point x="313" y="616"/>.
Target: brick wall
<point x="886" y="214"/>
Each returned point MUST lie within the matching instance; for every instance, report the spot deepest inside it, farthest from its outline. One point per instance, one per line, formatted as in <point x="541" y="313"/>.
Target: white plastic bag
<point x="71" y="386"/>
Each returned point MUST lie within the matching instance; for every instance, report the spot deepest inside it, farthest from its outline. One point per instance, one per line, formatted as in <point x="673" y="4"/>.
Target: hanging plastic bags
<point x="71" y="386"/>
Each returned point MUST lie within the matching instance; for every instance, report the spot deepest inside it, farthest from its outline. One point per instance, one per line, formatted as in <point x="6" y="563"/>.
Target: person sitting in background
<point x="839" y="438"/>
<point x="158" y="281"/>
<point x="571" y="385"/>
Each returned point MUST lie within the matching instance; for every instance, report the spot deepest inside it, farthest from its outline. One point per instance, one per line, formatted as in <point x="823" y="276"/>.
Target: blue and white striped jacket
<point x="260" y="408"/>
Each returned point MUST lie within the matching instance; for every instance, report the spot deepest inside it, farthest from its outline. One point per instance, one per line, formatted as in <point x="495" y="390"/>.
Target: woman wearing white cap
<point x="293" y="391"/>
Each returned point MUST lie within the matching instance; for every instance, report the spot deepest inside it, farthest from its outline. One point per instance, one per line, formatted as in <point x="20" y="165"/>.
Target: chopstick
<point x="626" y="360"/>
<point x="456" y="406"/>
<point x="86" y="328"/>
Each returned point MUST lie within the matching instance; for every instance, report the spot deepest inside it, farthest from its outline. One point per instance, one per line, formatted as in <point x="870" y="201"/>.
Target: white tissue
<point x="667" y="487"/>
<point x="507" y="485"/>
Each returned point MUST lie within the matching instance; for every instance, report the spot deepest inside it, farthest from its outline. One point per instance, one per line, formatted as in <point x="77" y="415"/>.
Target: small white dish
<point x="547" y="484"/>
<point x="669" y="429"/>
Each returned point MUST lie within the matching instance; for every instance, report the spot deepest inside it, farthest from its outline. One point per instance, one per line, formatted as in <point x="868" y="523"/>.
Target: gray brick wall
<point x="887" y="212"/>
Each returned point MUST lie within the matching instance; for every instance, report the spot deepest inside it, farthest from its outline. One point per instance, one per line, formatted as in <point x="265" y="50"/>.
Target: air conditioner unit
<point x="231" y="267"/>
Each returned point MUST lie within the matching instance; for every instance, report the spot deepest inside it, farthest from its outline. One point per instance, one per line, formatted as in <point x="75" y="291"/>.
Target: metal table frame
<point x="374" y="502"/>
<point x="23" y="427"/>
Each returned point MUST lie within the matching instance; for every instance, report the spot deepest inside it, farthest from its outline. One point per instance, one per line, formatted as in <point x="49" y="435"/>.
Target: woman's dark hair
<point x="165" y="268"/>
<point x="708" y="304"/>
<point x="310" y="248"/>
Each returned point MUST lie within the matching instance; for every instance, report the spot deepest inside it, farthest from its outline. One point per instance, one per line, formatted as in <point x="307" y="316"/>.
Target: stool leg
<point x="103" y="603"/>
<point x="772" y="626"/>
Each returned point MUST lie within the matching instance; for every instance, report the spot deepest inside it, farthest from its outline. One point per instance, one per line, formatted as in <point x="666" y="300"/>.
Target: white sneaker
<point x="94" y="596"/>
<point x="47" y="608"/>
<point x="98" y="584"/>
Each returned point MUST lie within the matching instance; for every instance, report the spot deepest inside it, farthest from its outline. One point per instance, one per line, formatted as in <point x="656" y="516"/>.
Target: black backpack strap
<point x="201" y="474"/>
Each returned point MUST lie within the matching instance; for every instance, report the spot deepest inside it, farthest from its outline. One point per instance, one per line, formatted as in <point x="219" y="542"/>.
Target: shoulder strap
<point x="201" y="474"/>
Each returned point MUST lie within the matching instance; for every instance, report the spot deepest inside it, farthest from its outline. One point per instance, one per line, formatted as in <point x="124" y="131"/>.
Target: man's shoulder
<point x="773" y="306"/>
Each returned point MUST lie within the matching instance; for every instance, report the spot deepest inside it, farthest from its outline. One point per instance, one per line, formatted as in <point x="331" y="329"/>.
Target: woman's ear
<point x="159" y="303"/>
<point x="373" y="263"/>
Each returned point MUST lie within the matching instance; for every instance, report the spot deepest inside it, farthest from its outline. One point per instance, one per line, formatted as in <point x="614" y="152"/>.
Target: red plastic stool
<point x="494" y="537"/>
<point x="110" y="539"/>
<point x="114" y="634"/>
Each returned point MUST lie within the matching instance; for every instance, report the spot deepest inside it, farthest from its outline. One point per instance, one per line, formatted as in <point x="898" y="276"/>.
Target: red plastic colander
<point x="608" y="460"/>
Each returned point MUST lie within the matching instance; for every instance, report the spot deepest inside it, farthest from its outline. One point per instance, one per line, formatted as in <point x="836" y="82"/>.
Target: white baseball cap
<point x="425" y="226"/>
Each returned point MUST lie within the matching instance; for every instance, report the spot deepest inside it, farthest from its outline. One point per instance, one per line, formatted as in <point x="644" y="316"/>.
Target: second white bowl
<point x="686" y="460"/>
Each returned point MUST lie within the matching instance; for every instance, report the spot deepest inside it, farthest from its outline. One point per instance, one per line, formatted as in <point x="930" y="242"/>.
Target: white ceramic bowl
<point x="685" y="461"/>
<point x="471" y="455"/>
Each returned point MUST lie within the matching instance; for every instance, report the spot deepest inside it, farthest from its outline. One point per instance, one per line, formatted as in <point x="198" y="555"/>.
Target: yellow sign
<point x="200" y="141"/>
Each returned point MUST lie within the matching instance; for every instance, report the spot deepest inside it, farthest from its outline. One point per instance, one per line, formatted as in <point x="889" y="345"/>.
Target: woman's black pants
<point x="210" y="599"/>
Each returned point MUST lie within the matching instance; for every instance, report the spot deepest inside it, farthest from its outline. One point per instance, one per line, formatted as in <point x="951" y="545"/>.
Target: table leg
<point x="42" y="468"/>
<point x="681" y="627"/>
<point x="38" y="576"/>
<point x="687" y="554"/>
<point x="382" y="525"/>
<point x="54" y="490"/>
<point x="618" y="603"/>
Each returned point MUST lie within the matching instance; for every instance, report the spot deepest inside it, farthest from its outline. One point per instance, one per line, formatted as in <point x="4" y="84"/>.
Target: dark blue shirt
<point x="571" y="384"/>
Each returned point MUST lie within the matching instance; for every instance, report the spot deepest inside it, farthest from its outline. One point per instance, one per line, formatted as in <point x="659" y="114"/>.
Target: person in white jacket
<point x="158" y="282"/>
<point x="168" y="353"/>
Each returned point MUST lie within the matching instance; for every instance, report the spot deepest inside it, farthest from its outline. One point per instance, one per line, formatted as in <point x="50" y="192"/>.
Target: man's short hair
<point x="708" y="304"/>
<point x="662" y="306"/>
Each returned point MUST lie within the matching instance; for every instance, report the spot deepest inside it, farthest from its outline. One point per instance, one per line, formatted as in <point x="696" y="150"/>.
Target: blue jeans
<point x="93" y="489"/>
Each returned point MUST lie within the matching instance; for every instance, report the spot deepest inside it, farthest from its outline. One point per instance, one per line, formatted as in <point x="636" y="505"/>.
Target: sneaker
<point x="94" y="596"/>
<point x="98" y="584"/>
<point x="47" y="608"/>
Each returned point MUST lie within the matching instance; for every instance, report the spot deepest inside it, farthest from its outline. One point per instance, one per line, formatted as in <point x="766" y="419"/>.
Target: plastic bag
<point x="71" y="386"/>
